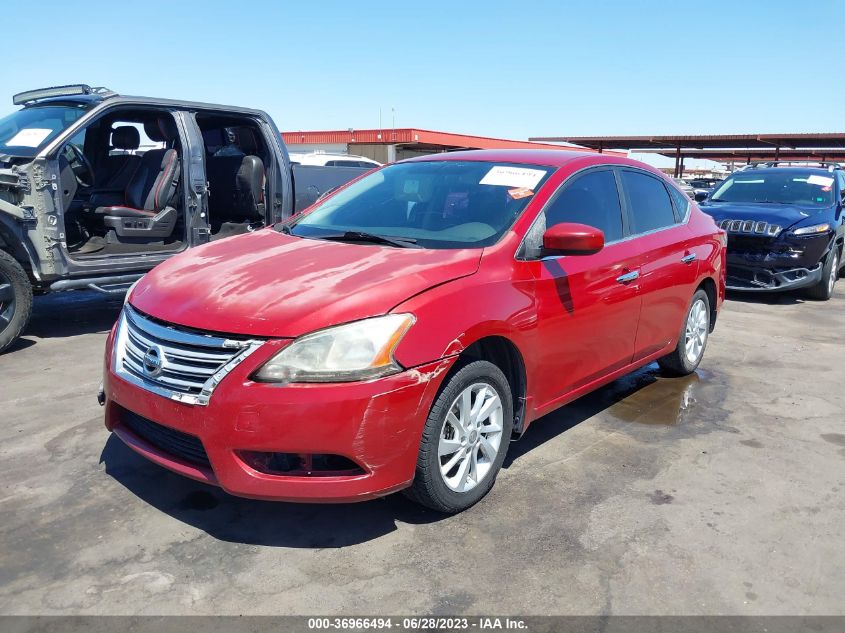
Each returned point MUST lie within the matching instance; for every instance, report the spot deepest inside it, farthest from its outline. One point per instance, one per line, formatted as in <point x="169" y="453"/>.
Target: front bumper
<point x="759" y="264"/>
<point x="375" y="424"/>
<point x="750" y="279"/>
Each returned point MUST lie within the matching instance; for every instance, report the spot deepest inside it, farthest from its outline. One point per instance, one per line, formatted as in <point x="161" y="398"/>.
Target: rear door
<point x="657" y="215"/>
<point x="588" y="305"/>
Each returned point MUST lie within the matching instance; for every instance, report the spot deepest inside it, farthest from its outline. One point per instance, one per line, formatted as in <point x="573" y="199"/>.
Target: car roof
<point x="546" y="157"/>
<point x="539" y="157"/>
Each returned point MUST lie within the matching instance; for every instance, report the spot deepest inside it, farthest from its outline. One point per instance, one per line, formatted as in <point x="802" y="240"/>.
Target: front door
<point x="587" y="306"/>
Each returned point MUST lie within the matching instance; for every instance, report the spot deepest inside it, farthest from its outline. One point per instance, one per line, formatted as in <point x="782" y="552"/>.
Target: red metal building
<point x="390" y="145"/>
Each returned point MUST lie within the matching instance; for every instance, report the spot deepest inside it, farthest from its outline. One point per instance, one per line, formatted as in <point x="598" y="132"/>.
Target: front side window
<point x="591" y="199"/>
<point x="25" y="132"/>
<point x="814" y="189"/>
<point x="649" y="206"/>
<point x="432" y="204"/>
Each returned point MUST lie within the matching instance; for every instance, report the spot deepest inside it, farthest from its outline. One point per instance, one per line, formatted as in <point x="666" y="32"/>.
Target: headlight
<point x="812" y="230"/>
<point x="354" y="351"/>
<point x="131" y="288"/>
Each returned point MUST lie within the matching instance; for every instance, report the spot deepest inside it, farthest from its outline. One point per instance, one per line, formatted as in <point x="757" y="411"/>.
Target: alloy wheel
<point x="695" y="333"/>
<point x="834" y="269"/>
<point x="7" y="301"/>
<point x="470" y="437"/>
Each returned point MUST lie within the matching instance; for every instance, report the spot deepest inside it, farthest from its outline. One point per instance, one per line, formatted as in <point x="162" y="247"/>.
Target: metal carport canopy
<point x="743" y="146"/>
<point x="702" y="141"/>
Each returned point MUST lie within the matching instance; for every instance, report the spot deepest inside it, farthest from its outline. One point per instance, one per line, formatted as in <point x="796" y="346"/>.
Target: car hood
<point x="783" y="215"/>
<point x="268" y="284"/>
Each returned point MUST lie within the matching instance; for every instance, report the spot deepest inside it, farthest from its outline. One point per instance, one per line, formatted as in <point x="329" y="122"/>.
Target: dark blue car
<point x="785" y="227"/>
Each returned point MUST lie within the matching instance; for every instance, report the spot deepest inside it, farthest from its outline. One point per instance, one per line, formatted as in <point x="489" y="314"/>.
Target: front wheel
<point x="693" y="340"/>
<point x="465" y="439"/>
<point x="830" y="271"/>
<point x="15" y="300"/>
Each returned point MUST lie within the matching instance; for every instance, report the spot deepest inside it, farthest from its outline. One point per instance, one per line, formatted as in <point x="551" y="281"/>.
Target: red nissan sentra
<point x="403" y="330"/>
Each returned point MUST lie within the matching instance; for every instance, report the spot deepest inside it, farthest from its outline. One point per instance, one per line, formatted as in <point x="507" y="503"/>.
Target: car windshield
<point x="785" y="187"/>
<point x="25" y="132"/>
<point x="430" y="204"/>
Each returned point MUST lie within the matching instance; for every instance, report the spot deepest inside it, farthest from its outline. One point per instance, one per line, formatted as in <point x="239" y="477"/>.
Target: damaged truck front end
<point x="30" y="224"/>
<point x="762" y="262"/>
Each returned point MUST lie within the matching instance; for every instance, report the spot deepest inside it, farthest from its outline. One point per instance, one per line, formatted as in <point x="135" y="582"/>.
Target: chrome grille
<point x="174" y="362"/>
<point x="751" y="227"/>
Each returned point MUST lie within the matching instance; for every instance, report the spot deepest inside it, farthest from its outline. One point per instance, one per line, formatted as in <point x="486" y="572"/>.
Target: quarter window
<point x="591" y="199"/>
<point x="648" y="202"/>
<point x="681" y="201"/>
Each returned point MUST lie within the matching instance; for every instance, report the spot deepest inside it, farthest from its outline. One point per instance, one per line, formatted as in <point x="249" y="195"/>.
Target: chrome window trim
<point x="615" y="167"/>
<point x="245" y="349"/>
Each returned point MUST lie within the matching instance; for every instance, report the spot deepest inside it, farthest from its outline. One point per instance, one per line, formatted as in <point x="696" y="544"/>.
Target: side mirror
<point x="572" y="239"/>
<point x="701" y="196"/>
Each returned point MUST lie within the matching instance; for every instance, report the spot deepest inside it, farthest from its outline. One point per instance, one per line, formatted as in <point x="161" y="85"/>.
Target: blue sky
<point x="508" y="69"/>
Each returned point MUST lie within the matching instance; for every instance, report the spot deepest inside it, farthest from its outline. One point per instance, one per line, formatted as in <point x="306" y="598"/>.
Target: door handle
<point x="628" y="277"/>
<point x="688" y="259"/>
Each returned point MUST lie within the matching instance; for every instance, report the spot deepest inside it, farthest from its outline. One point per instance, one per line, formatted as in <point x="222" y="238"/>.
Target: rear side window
<point x="648" y="202"/>
<point x="681" y="201"/>
<point x="591" y="199"/>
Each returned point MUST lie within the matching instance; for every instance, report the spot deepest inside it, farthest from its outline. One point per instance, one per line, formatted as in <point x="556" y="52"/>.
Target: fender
<point x="13" y="242"/>
<point x="444" y="328"/>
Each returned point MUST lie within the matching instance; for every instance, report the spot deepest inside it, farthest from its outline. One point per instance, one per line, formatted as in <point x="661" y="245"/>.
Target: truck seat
<point x="237" y="183"/>
<point x="146" y="211"/>
<point x="117" y="169"/>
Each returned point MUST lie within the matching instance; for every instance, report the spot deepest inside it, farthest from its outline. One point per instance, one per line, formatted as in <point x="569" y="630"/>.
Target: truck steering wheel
<point x="80" y="166"/>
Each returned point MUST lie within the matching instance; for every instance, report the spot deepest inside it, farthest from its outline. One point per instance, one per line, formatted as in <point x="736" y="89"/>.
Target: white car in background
<point x="685" y="187"/>
<point x="322" y="159"/>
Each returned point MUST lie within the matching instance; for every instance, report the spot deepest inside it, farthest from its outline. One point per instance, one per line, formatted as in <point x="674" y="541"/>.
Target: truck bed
<point x="312" y="181"/>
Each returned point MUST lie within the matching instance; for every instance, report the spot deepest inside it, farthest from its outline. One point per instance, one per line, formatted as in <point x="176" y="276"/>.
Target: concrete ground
<point x="721" y="493"/>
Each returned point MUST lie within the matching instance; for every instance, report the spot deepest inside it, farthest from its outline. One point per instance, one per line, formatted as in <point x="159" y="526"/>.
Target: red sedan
<point x="399" y="333"/>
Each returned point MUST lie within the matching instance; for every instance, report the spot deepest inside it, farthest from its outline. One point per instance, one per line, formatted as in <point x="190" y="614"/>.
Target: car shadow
<point x="65" y="314"/>
<point x="297" y="525"/>
<point x="254" y="522"/>
<point x="623" y="389"/>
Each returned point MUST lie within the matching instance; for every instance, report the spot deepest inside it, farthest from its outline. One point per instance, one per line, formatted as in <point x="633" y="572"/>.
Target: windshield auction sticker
<point x="29" y="137"/>
<point x="521" y="192"/>
<point x="824" y="181"/>
<point x="518" y="177"/>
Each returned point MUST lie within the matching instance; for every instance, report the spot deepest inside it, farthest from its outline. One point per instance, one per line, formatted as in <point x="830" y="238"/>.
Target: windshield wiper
<point x="363" y="236"/>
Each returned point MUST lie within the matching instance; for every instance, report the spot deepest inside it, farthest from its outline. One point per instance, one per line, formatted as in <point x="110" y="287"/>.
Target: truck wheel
<point x="464" y="440"/>
<point x="830" y="271"/>
<point x="15" y="300"/>
<point x="693" y="340"/>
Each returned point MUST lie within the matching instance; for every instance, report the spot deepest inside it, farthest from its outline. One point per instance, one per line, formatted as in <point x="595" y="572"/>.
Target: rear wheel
<point x="830" y="271"/>
<point x="465" y="439"/>
<point x="15" y="300"/>
<point x="693" y="340"/>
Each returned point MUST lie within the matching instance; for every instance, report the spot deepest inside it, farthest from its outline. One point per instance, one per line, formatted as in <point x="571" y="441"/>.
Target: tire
<point x="682" y="361"/>
<point x="451" y="491"/>
<point x="15" y="300"/>
<point x="823" y="290"/>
